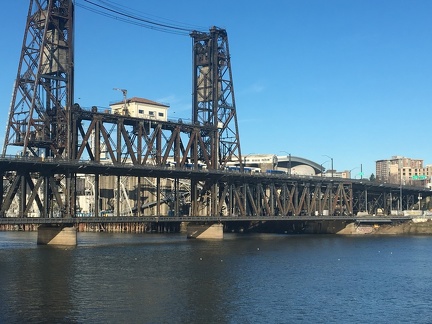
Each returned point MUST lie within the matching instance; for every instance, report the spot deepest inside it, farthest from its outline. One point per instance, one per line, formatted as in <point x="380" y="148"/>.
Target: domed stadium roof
<point x="284" y="162"/>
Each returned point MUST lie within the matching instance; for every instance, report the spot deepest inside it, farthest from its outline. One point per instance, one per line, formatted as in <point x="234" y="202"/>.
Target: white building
<point x="263" y="161"/>
<point x="141" y="108"/>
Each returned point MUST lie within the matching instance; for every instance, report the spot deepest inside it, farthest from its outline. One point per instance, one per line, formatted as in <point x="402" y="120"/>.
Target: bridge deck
<point x="244" y="194"/>
<point x="196" y="219"/>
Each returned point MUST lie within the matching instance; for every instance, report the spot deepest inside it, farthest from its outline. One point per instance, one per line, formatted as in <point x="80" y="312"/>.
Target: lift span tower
<point x="45" y="124"/>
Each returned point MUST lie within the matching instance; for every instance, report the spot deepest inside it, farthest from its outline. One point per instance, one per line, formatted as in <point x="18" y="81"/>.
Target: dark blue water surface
<point x="145" y="278"/>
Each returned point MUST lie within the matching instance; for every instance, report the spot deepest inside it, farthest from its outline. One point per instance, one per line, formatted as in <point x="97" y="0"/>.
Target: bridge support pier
<point x="208" y="231"/>
<point x="57" y="235"/>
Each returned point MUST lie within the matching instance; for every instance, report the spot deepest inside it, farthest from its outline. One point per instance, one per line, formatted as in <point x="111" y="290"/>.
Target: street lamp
<point x="244" y="159"/>
<point x="351" y="171"/>
<point x="322" y="167"/>
<point x="331" y="186"/>
<point x="331" y="164"/>
<point x="289" y="162"/>
<point x="400" y="195"/>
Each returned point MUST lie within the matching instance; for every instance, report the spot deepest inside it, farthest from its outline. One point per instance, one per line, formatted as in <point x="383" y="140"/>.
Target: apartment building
<point x="403" y="170"/>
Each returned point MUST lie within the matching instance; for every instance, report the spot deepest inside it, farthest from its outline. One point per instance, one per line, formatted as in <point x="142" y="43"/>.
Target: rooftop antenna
<point x="124" y="91"/>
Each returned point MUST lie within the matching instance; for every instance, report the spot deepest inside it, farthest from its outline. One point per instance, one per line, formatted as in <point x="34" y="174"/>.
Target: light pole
<point x="400" y="194"/>
<point x="331" y="164"/>
<point x="322" y="167"/>
<point x="331" y="186"/>
<point x="245" y="158"/>
<point x="289" y="162"/>
<point x="351" y="171"/>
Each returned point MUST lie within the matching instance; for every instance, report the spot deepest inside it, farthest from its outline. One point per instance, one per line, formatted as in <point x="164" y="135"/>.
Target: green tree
<point x="372" y="177"/>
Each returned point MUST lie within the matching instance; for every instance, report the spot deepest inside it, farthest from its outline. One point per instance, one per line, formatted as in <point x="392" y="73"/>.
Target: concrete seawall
<point x="418" y="226"/>
<point x="414" y="227"/>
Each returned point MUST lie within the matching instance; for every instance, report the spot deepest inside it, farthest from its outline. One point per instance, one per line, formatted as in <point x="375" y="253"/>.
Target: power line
<point x="128" y="21"/>
<point x="133" y="11"/>
<point x="137" y="18"/>
<point x="116" y="12"/>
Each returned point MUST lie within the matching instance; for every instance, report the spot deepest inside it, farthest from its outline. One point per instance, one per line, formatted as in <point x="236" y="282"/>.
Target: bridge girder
<point x="157" y="190"/>
<point x="56" y="138"/>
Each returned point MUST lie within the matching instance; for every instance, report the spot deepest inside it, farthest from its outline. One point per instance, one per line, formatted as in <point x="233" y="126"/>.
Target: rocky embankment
<point x="414" y="227"/>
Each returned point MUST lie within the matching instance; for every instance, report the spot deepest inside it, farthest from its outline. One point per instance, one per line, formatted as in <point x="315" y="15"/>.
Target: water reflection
<point x="169" y="279"/>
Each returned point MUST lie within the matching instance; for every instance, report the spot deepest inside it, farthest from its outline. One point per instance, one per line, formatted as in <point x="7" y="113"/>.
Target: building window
<point x="141" y="111"/>
<point x="161" y="114"/>
<point x="151" y="113"/>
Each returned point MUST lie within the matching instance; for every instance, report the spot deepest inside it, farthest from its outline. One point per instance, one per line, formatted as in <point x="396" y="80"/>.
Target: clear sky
<point x="351" y="79"/>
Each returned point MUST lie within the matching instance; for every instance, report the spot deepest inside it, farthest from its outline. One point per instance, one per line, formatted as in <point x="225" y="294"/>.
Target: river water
<point x="154" y="278"/>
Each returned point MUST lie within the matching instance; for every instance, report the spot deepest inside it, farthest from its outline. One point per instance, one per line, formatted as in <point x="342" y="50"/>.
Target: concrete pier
<point x="57" y="235"/>
<point x="209" y="231"/>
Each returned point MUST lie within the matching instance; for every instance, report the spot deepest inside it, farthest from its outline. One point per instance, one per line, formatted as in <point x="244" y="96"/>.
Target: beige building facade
<point x="141" y="108"/>
<point x="403" y="170"/>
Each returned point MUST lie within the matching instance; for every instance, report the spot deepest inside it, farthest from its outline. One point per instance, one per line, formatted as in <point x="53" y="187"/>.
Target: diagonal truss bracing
<point x="213" y="98"/>
<point x="38" y="122"/>
<point x="153" y="167"/>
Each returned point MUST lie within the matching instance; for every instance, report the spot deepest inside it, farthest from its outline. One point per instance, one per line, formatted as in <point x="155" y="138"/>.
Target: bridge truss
<point x="124" y="165"/>
<point x="153" y="190"/>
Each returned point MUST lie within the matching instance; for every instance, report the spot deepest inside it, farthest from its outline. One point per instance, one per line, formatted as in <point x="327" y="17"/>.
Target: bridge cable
<point x="112" y="10"/>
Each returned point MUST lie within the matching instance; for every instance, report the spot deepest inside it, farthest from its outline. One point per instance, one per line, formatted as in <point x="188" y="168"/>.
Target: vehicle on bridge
<point x="276" y="171"/>
<point x="249" y="170"/>
<point x="106" y="213"/>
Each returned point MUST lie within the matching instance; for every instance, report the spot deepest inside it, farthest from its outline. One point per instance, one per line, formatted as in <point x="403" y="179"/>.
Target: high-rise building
<point x="403" y="170"/>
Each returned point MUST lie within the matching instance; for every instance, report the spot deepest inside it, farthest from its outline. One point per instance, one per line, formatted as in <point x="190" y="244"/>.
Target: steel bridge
<point x="240" y="195"/>
<point x="193" y="219"/>
<point x="142" y="169"/>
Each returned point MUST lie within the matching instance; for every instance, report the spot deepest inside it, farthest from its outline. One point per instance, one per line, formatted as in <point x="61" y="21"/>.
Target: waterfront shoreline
<point x="414" y="227"/>
<point x="419" y="226"/>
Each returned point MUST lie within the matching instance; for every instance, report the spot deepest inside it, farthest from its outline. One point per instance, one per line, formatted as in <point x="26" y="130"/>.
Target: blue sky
<point x="351" y="79"/>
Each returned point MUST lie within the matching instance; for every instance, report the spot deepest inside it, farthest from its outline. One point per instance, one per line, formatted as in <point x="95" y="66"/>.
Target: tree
<point x="372" y="177"/>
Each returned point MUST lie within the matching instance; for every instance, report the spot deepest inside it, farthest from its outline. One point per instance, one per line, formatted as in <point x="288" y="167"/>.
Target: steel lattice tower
<point x="213" y="98"/>
<point x="39" y="117"/>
